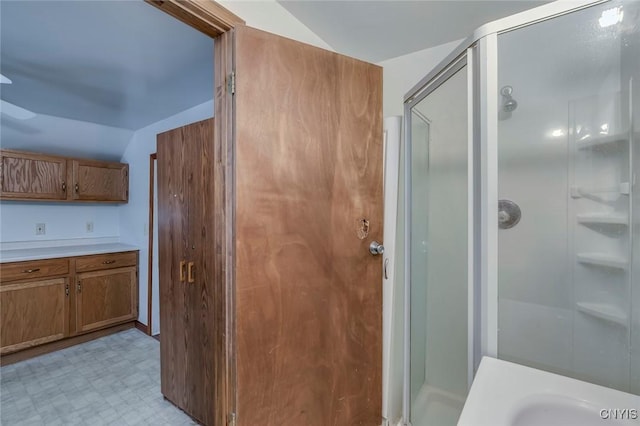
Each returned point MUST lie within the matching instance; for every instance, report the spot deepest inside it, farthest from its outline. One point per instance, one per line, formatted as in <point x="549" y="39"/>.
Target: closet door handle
<point x="191" y="278"/>
<point x="182" y="271"/>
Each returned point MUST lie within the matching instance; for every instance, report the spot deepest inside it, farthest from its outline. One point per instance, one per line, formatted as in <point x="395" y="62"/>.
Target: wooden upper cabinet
<point x="30" y="176"/>
<point x="100" y="181"/>
<point x="33" y="176"/>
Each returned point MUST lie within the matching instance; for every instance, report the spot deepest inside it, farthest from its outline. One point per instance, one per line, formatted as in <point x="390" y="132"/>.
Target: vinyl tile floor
<point x="114" y="380"/>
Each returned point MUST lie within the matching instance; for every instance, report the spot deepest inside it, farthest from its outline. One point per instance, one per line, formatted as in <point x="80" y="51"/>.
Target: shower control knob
<point x="509" y="214"/>
<point x="375" y="248"/>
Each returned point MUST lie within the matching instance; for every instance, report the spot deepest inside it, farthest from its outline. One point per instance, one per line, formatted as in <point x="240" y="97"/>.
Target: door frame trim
<point x="152" y="169"/>
<point x="217" y="22"/>
<point x="205" y="16"/>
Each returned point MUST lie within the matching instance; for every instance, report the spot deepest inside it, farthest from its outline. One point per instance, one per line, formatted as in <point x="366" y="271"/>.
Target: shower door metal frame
<point x="457" y="65"/>
<point x="479" y="52"/>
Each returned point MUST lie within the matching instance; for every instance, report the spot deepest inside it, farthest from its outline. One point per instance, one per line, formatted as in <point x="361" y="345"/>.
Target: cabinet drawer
<point x="106" y="261"/>
<point x="33" y="269"/>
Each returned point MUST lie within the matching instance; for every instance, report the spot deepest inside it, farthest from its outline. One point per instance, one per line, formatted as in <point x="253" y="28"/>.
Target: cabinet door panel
<point x="105" y="297"/>
<point x="33" y="176"/>
<point x="33" y="313"/>
<point x="97" y="180"/>
<point x="172" y="234"/>
<point x="200" y="290"/>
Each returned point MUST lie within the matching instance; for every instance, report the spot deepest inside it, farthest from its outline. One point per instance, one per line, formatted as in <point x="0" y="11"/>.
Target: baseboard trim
<point x="61" y="344"/>
<point x="142" y="327"/>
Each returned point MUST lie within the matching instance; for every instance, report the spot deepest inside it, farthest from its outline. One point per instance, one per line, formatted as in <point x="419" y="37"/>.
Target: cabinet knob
<point x="79" y="287"/>
<point x="64" y="187"/>
<point x="77" y="188"/>
<point x="31" y="271"/>
<point x="108" y="262"/>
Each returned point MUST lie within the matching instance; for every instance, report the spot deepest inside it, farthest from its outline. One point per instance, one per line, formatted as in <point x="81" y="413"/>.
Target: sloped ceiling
<point x="379" y="30"/>
<point x="123" y="64"/>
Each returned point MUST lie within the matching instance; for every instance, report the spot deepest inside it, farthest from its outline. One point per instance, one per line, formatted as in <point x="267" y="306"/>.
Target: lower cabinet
<point x="105" y="298"/>
<point x="47" y="300"/>
<point x="33" y="313"/>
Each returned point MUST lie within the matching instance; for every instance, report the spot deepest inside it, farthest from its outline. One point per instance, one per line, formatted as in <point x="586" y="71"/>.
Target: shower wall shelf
<point x="603" y="259"/>
<point x="580" y="192"/>
<point x="603" y="218"/>
<point x="603" y="141"/>
<point x="605" y="312"/>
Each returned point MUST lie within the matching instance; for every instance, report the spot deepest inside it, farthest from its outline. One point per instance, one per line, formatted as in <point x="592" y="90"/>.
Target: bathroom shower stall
<point x="522" y="205"/>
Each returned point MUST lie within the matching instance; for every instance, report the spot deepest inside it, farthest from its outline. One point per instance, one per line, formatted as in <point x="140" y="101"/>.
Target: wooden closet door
<point x="201" y="314"/>
<point x="308" y="202"/>
<point x="187" y="312"/>
<point x="172" y="235"/>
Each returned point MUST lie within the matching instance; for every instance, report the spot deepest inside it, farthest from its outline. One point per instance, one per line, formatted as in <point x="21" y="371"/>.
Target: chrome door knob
<point x="375" y="248"/>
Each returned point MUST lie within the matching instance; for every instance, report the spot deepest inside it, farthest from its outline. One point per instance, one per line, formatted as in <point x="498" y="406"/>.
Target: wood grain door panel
<point x="26" y="175"/>
<point x="188" y="315"/>
<point x="99" y="180"/>
<point x="308" y="203"/>
<point x="105" y="298"/>
<point x="172" y="242"/>
<point x="199" y="293"/>
<point x="33" y="313"/>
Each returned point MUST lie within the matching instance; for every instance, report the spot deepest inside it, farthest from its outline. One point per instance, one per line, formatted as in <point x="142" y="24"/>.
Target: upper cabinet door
<point x="100" y="181"/>
<point x="29" y="176"/>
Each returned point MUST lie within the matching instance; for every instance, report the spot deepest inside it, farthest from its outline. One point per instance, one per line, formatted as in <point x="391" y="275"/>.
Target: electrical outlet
<point x="89" y="226"/>
<point x="41" y="229"/>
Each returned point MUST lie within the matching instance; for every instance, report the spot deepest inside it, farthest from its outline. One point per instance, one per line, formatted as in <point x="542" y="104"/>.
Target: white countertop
<point x="19" y="255"/>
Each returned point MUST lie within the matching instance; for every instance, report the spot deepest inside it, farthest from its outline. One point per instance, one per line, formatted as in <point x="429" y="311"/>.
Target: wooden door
<point x="100" y="181"/>
<point x="33" y="313"/>
<point x="186" y="254"/>
<point x="201" y="285"/>
<point x="308" y="202"/>
<point x="106" y="298"/>
<point x="172" y="221"/>
<point x="33" y="176"/>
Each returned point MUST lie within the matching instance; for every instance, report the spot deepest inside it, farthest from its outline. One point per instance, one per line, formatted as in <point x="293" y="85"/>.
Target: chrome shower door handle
<point x="375" y="248"/>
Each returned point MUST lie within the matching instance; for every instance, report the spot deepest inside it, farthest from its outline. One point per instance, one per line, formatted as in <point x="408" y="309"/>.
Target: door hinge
<point x="66" y="289"/>
<point x="231" y="83"/>
<point x="232" y="419"/>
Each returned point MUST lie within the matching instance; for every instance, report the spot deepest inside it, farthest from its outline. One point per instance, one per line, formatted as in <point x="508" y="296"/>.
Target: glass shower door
<point x="566" y="173"/>
<point x="437" y="123"/>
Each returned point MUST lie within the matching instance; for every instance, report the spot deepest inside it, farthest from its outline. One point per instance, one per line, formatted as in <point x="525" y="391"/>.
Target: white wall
<point x="268" y="15"/>
<point x="134" y="216"/>
<point x="403" y="72"/>
<point x="63" y="221"/>
<point x="62" y="136"/>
